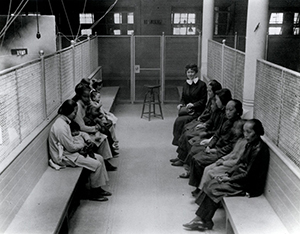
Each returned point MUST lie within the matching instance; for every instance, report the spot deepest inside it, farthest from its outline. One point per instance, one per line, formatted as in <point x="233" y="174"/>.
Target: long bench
<point x="53" y="199"/>
<point x="277" y="211"/>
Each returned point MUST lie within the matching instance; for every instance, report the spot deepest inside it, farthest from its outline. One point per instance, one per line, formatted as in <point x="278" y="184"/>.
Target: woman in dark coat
<point x="247" y="177"/>
<point x="193" y="100"/>
<point x="207" y="130"/>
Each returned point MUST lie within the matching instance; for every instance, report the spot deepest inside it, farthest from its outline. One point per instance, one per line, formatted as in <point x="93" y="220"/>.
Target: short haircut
<point x="215" y="86"/>
<point x="238" y="106"/>
<point x="191" y="66"/>
<point x="224" y="95"/>
<point x="257" y="126"/>
<point x="67" y="107"/>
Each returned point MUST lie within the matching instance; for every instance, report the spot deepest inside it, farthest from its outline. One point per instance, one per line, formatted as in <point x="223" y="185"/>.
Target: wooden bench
<point x="55" y="196"/>
<point x="277" y="211"/>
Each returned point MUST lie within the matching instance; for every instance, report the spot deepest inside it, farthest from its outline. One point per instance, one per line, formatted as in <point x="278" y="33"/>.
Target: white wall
<point x="22" y="34"/>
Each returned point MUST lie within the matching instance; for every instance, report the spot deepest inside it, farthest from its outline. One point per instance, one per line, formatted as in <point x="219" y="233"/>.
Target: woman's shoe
<point x="174" y="160"/>
<point x="193" y="225"/>
<point x="208" y="225"/>
<point x="177" y="164"/>
<point x="185" y="175"/>
<point x="196" y="192"/>
<point x="109" y="167"/>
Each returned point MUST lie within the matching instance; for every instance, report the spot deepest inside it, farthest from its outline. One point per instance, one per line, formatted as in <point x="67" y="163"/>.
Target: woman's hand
<point x="179" y="106"/>
<point x="200" y="126"/>
<point x="219" y="162"/>
<point x="222" y="179"/>
<point x="189" y="105"/>
<point x="97" y="127"/>
<point x="213" y="151"/>
<point x="207" y="150"/>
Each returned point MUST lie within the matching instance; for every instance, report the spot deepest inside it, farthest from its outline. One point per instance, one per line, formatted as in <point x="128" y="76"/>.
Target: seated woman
<point x="193" y="99"/>
<point x="82" y="98"/>
<point x="64" y="151"/>
<point x="212" y="87"/>
<point x="246" y="177"/>
<point x="206" y="130"/>
<point x="226" y="162"/>
<point x="221" y="144"/>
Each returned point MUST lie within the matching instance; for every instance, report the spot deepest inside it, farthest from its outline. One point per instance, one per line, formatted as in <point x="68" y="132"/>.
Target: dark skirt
<point x="178" y="126"/>
<point x="216" y="191"/>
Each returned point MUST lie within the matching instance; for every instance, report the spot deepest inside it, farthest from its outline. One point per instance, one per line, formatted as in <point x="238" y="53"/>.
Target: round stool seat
<point x="152" y="86"/>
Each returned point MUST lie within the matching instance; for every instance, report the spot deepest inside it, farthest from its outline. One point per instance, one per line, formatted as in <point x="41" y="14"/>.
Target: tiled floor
<point x="148" y="197"/>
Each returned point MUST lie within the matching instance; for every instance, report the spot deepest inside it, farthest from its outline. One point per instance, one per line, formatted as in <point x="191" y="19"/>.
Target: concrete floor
<point x="148" y="196"/>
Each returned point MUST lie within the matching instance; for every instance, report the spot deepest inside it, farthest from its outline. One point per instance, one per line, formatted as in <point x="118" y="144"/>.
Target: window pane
<point x="276" y="18"/>
<point x="117" y="32"/>
<point x="86" y="31"/>
<point x="182" y="30"/>
<point x="117" y="18"/>
<point x="191" y="31"/>
<point x="183" y="18"/>
<point x="130" y="18"/>
<point x="192" y="18"/>
<point x="296" y="18"/>
<point x="130" y="32"/>
<point x="275" y="31"/>
<point x="176" y="18"/>
<point x="296" y="30"/>
<point x="86" y="18"/>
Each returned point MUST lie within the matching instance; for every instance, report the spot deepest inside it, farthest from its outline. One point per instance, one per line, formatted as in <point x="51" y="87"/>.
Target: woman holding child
<point x="65" y="151"/>
<point x="82" y="98"/>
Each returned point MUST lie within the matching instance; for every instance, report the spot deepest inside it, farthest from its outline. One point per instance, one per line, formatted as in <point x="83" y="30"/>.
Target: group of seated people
<point x="84" y="135"/>
<point x="222" y="154"/>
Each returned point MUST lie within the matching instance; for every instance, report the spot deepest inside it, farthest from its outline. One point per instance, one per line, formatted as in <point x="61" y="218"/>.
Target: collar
<point x="65" y="118"/>
<point x="190" y="82"/>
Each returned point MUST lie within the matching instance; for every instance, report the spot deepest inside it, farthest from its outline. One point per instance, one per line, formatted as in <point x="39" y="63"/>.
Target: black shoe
<point x="177" y="163"/>
<point x="99" y="198"/>
<point x="208" y="225"/>
<point x="185" y="175"/>
<point x="104" y="193"/>
<point x="196" y="192"/>
<point x="109" y="167"/>
<point x="174" y="160"/>
<point x="193" y="225"/>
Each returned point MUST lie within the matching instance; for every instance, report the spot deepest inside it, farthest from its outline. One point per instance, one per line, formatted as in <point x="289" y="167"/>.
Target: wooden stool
<point x="153" y="90"/>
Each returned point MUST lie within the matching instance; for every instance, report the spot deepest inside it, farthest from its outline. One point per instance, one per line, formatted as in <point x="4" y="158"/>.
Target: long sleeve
<point x="251" y="169"/>
<point x="195" y="94"/>
<point x="79" y="119"/>
<point x="60" y="135"/>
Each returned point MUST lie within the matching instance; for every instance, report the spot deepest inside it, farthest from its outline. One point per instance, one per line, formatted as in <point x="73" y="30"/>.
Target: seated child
<point x="82" y="137"/>
<point x="96" y="100"/>
<point x="107" y="118"/>
<point x="92" y="118"/>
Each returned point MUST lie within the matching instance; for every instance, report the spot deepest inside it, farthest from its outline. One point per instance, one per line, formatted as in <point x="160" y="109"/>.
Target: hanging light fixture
<point x="38" y="35"/>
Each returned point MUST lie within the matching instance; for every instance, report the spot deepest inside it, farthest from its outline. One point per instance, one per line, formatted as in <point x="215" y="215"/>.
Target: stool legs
<point x="149" y="99"/>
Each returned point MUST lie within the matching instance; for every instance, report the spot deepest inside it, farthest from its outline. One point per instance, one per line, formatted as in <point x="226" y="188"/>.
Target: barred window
<point x="86" y="18"/>
<point x="284" y="23"/>
<point x="183" y="23"/>
<point x="120" y="23"/>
